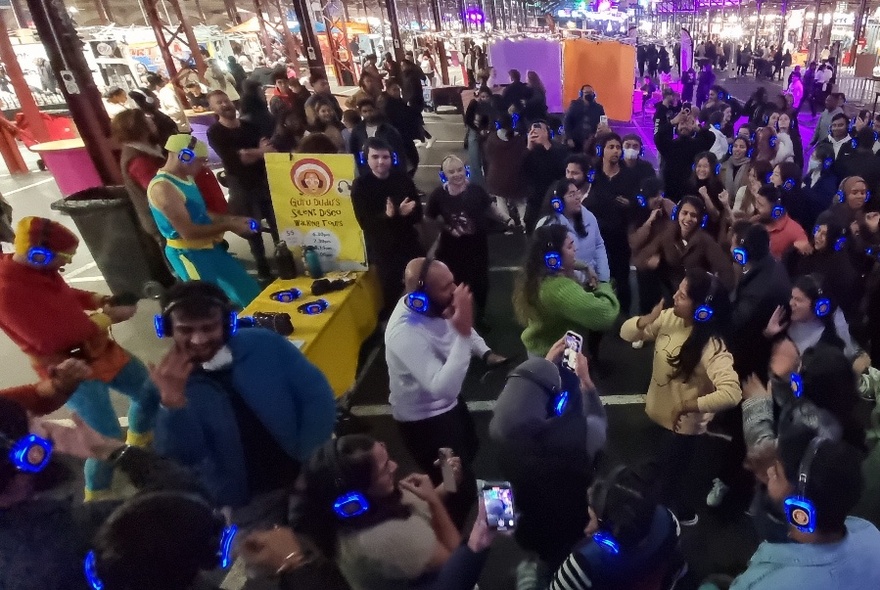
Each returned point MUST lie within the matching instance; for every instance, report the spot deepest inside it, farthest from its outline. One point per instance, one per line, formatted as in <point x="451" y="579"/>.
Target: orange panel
<point x="608" y="66"/>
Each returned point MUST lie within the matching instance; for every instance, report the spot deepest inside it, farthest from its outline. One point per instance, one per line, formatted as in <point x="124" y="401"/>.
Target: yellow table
<point x="332" y="339"/>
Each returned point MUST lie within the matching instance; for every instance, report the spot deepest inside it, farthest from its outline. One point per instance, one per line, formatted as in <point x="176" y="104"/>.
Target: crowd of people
<point x="758" y="283"/>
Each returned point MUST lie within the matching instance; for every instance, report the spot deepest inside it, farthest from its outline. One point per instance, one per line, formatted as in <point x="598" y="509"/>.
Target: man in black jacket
<point x="544" y="164"/>
<point x="374" y="125"/>
<point x="678" y="153"/>
<point x="516" y="93"/>
<point x="582" y="118"/>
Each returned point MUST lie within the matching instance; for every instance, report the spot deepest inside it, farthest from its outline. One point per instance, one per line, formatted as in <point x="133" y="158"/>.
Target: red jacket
<point x="47" y="319"/>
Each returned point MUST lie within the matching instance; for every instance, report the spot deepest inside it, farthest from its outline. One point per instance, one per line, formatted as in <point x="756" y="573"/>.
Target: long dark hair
<point x="700" y="286"/>
<point x="697" y="203"/>
<point x="811" y="286"/>
<point x="560" y="188"/>
<point x="526" y="302"/>
<point x="714" y="185"/>
<point x="342" y="465"/>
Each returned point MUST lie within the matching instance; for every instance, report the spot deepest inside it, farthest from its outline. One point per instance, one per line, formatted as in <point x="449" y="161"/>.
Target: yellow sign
<point x="311" y="195"/>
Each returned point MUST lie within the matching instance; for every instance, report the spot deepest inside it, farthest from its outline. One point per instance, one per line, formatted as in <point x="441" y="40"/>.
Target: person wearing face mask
<point x="693" y="378"/>
<point x="611" y="198"/>
<point x="463" y="210"/>
<point x="632" y="158"/>
<point x="582" y="118"/>
<point x="505" y="151"/>
<point x="548" y="299"/>
<point x="544" y="164"/>
<point x="684" y="245"/>
<point x="429" y="343"/>
<point x="273" y="406"/>
<point x="563" y="206"/>
<point x="735" y="170"/>
<point x="679" y="152"/>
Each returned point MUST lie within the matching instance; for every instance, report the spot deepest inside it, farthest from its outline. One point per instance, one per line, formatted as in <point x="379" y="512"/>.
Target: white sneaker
<point x="430" y="143"/>
<point x="717" y="493"/>
<point x="638" y="344"/>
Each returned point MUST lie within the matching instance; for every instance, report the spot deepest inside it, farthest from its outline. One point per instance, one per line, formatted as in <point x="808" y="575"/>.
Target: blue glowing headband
<point x="606" y="541"/>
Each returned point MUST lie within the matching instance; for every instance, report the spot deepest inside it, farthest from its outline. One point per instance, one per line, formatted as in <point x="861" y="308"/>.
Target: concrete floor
<point x="715" y="545"/>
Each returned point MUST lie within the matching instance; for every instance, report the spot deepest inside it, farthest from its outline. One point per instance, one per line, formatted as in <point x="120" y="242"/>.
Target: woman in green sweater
<point x="548" y="300"/>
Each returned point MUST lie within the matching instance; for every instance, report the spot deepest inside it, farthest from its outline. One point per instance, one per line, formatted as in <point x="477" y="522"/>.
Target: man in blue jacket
<point x="242" y="407"/>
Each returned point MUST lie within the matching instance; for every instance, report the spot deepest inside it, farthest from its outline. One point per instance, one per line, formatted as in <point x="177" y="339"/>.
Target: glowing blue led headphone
<point x="822" y="306"/>
<point x="39" y="254"/>
<point x="741" y="253"/>
<point x="165" y="327"/>
<point x="347" y="503"/>
<point x="314" y="307"/>
<point x="841" y="193"/>
<point x="797" y="385"/>
<point x="777" y="211"/>
<point x="188" y="154"/>
<point x="704" y="311"/>
<point x="557" y="398"/>
<point x="717" y="164"/>
<point x="605" y="537"/>
<point x="418" y="300"/>
<point x="286" y="296"/>
<point x="224" y="545"/>
<point x="29" y="454"/>
<point x="362" y="158"/>
<point x="557" y="201"/>
<point x="552" y="258"/>
<point x="703" y="222"/>
<point x="799" y="509"/>
<point x="641" y="200"/>
<point x="773" y="141"/>
<point x="443" y="178"/>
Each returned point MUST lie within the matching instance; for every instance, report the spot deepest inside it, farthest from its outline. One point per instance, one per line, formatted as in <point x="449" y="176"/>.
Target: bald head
<point x="438" y="275"/>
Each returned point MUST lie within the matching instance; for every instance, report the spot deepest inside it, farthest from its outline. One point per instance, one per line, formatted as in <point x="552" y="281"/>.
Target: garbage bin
<point x="129" y="259"/>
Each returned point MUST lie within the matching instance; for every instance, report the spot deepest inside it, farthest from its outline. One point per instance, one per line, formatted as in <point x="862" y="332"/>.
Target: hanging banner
<point x="311" y="195"/>
<point x="687" y="50"/>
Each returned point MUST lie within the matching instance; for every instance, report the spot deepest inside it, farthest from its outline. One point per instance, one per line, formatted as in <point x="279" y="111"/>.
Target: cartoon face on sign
<point x="311" y="177"/>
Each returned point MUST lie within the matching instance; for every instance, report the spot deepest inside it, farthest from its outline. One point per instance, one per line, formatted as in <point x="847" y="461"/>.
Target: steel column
<point x="340" y="56"/>
<point x="166" y="36"/>
<point x="309" y="38"/>
<point x="397" y="42"/>
<point x="231" y="12"/>
<point x="859" y="27"/>
<point x="103" y="12"/>
<point x="65" y="51"/>
<point x="16" y="77"/>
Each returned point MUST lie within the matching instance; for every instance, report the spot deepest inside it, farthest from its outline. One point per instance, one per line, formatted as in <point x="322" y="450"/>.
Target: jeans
<point x="217" y="266"/>
<point x="91" y="401"/>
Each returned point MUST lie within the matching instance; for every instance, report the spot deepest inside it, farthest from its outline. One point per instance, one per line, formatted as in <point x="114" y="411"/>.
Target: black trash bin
<point x="129" y="259"/>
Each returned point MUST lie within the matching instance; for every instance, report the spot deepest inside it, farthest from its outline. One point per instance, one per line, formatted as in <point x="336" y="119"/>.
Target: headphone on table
<point x="362" y="158"/>
<point x="188" y="154"/>
<point x="704" y="311"/>
<point x="286" y="295"/>
<point x="606" y="537"/>
<point x="552" y="258"/>
<point x="28" y="454"/>
<point x="39" y="254"/>
<point x="223" y="557"/>
<point x="314" y="307"/>
<point x="419" y="300"/>
<point x="799" y="508"/>
<point x="348" y="503"/>
<point x="165" y="327"/>
<point x="557" y="398"/>
<point x="467" y="168"/>
<point x="822" y="306"/>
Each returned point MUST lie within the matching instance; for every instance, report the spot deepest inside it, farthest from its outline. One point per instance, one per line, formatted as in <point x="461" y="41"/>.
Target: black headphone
<point x="223" y="541"/>
<point x="347" y="503"/>
<point x="799" y="509"/>
<point x="705" y="311"/>
<point x="419" y="300"/>
<point x="557" y="399"/>
<point x="165" y="327"/>
<point x="39" y="254"/>
<point x="188" y="154"/>
<point x="606" y="537"/>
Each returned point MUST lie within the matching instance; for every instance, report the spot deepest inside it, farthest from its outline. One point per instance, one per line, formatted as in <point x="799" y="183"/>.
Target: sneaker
<point x="638" y="344"/>
<point x="717" y="493"/>
<point x="689" y="520"/>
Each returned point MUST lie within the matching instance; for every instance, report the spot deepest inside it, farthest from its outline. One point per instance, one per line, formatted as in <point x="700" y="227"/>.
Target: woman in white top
<point x="735" y="170"/>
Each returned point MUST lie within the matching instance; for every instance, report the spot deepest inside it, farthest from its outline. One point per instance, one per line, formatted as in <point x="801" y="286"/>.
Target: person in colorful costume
<point x="192" y="234"/>
<point x="51" y="322"/>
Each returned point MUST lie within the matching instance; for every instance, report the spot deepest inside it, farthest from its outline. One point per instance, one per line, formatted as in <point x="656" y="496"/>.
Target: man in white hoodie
<point x="429" y="343"/>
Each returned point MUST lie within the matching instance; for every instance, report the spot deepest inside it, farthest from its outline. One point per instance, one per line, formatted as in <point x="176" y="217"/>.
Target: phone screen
<point x="603" y="119"/>
<point x="573" y="344"/>
<point x="498" y="499"/>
